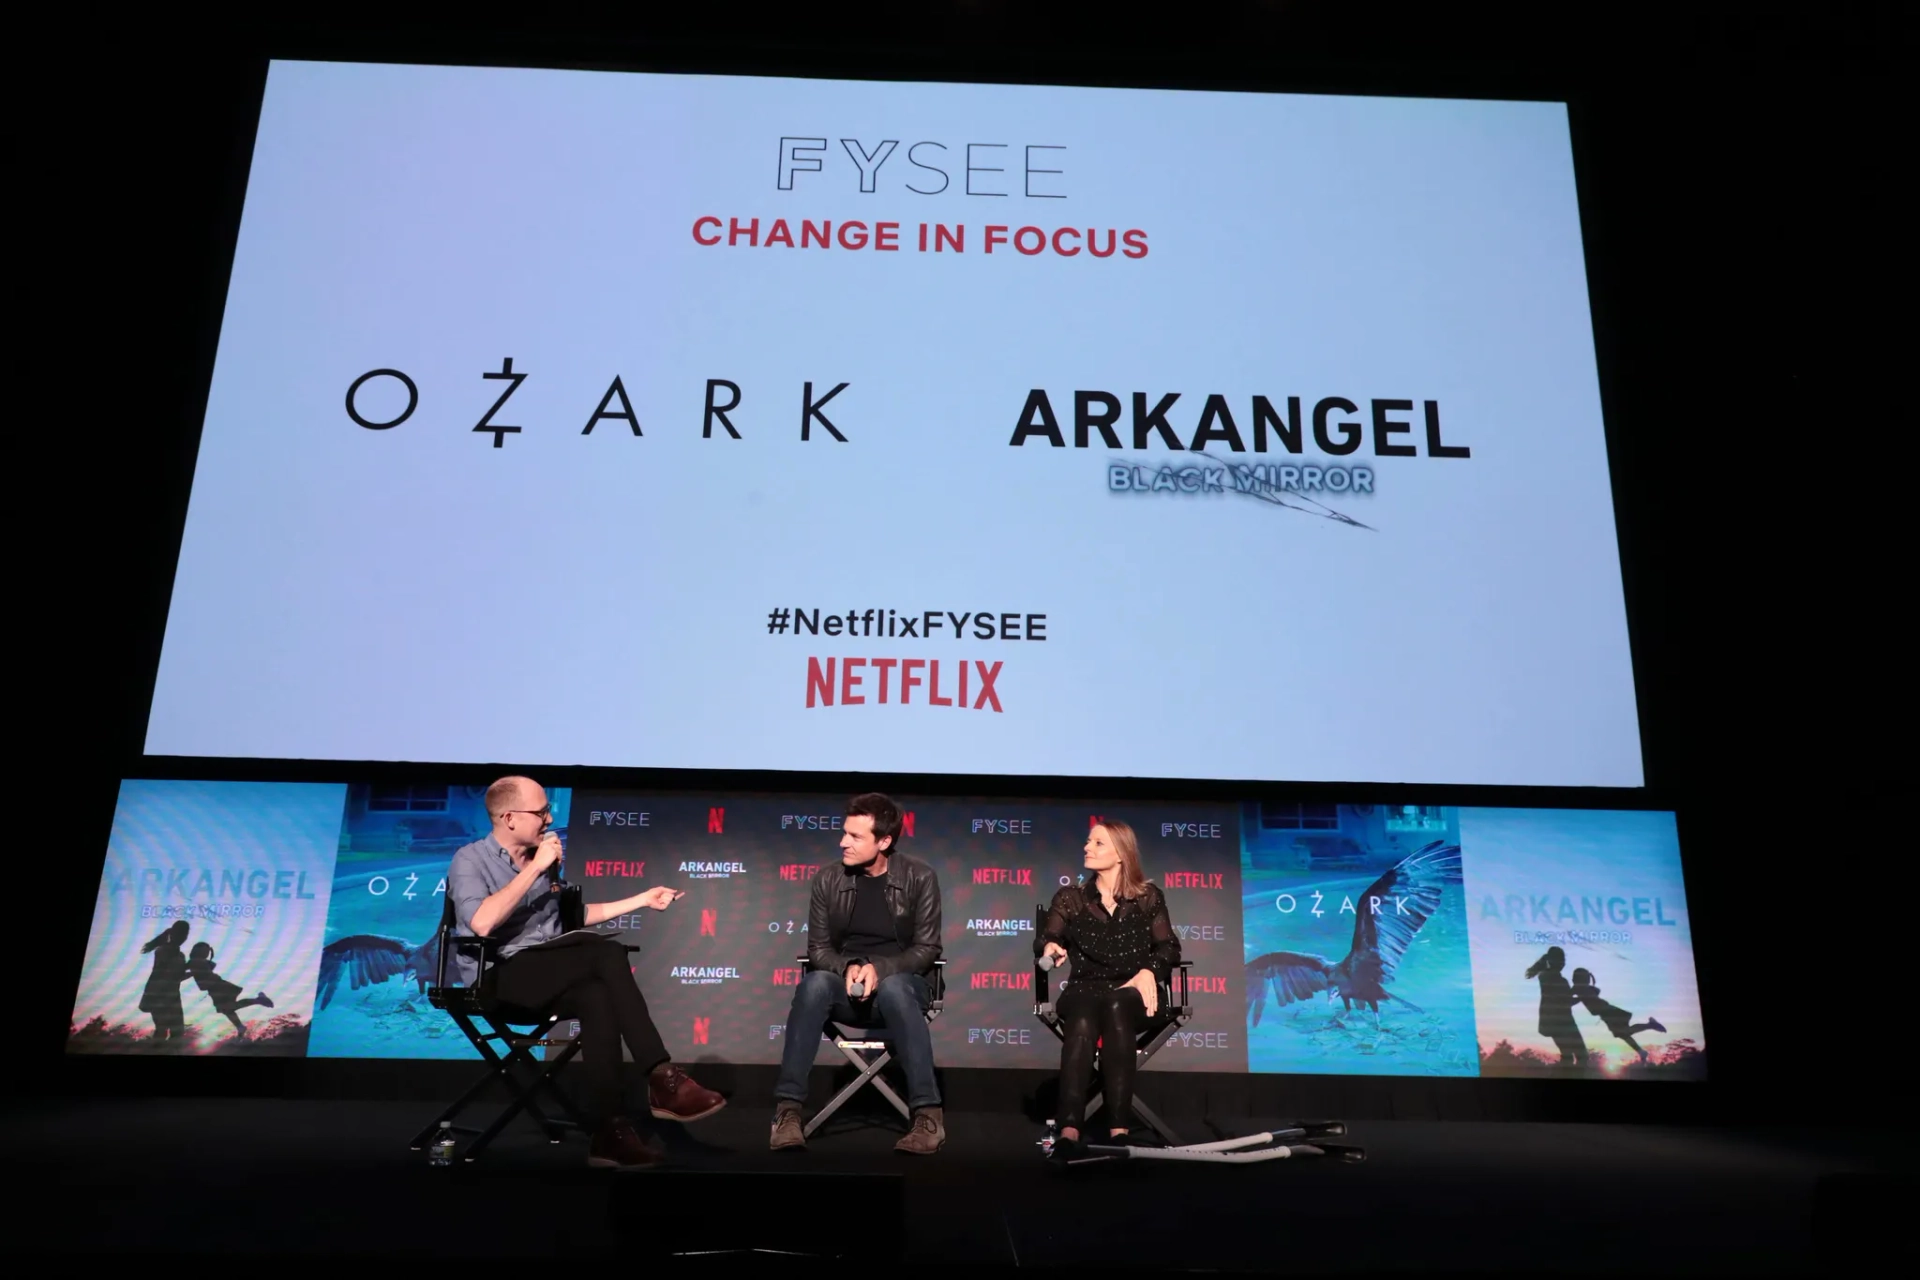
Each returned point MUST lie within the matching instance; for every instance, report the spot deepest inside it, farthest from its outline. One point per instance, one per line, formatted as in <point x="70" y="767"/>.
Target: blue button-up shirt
<point x="481" y="870"/>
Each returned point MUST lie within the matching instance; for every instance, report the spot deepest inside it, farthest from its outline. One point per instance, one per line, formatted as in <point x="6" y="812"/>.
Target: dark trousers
<point x="586" y="977"/>
<point x="899" y="1006"/>
<point x="1112" y="1018"/>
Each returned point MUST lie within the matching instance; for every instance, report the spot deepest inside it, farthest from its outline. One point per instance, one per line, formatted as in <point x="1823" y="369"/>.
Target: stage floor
<point x="212" y="1177"/>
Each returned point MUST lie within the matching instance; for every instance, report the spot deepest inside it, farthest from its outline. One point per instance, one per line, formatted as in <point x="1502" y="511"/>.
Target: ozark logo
<point x="799" y="870"/>
<point x="994" y="980"/>
<point x="694" y="975"/>
<point x="712" y="870"/>
<point x="999" y="1035"/>
<point x="1003" y="875"/>
<point x="1008" y="928"/>
<point x="1194" y="880"/>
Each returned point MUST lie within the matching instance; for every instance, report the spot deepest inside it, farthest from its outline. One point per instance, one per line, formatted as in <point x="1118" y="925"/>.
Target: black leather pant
<point x="1114" y="1019"/>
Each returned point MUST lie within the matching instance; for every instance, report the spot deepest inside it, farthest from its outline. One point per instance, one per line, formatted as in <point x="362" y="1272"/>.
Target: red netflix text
<point x="1003" y="875"/>
<point x="798" y="870"/>
<point x="600" y="867"/>
<point x="1002" y="981"/>
<point x="1194" y="880"/>
<point x="872" y="679"/>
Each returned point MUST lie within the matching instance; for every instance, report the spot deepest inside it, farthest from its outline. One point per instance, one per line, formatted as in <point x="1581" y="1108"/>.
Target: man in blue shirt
<point x="506" y="886"/>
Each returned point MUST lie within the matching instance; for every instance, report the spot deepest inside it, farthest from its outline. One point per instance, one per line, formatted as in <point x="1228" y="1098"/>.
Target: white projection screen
<point x="720" y="422"/>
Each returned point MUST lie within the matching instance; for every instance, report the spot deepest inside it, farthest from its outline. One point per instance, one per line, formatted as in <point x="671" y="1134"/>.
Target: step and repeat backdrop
<point x="296" y="919"/>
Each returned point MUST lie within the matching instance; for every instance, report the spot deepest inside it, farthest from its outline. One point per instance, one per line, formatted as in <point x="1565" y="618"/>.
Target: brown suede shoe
<point x="928" y="1135"/>
<point x="673" y="1095"/>
<point x="616" y="1145"/>
<point x="789" y="1134"/>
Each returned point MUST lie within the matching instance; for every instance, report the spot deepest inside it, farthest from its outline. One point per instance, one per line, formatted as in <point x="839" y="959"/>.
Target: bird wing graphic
<point x="1289" y="975"/>
<point x="363" y="959"/>
<point x="1394" y="907"/>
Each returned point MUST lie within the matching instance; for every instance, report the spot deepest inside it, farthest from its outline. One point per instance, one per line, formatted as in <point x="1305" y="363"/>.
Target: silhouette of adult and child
<point x="171" y="968"/>
<point x="1557" y="999"/>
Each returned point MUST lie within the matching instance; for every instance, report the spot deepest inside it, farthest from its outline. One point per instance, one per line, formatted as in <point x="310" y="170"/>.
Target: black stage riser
<point x="1176" y="1095"/>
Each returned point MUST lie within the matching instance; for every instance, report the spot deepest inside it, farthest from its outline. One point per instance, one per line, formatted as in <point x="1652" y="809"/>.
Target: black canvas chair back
<point x="505" y="1037"/>
<point x="870" y="1049"/>
<point x="1176" y="1008"/>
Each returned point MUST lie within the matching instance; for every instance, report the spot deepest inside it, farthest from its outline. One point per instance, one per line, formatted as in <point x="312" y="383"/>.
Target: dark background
<point x="1734" y="166"/>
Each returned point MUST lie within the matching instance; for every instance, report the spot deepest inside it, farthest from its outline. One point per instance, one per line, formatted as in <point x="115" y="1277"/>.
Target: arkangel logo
<point x="712" y="870"/>
<point x="690" y="975"/>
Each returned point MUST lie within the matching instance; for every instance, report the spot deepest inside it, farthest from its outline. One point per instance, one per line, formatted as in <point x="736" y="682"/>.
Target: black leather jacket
<point x="913" y="891"/>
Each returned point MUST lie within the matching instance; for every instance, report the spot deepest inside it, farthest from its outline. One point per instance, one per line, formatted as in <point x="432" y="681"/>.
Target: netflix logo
<point x="788" y="977"/>
<point x="1194" y="880"/>
<point x="798" y="870"/>
<point x="1003" y="875"/>
<point x="1206" y="986"/>
<point x="627" y="870"/>
<point x="998" y="981"/>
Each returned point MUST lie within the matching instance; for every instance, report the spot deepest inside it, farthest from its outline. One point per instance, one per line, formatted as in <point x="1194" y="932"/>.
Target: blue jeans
<point x="899" y="1006"/>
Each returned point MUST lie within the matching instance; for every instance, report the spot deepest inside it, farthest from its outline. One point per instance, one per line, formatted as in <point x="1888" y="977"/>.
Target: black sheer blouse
<point x="1106" y="950"/>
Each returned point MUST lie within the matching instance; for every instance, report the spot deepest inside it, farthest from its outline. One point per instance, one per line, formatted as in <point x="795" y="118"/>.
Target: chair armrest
<point x="938" y="983"/>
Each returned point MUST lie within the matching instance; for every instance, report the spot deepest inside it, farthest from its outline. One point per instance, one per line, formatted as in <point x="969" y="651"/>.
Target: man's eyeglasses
<point x="544" y="811"/>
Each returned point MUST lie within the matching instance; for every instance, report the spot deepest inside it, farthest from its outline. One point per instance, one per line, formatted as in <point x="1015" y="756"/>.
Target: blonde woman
<point x="1113" y="930"/>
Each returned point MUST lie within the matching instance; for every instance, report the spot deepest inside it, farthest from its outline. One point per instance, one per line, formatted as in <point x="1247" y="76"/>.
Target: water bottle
<point x="440" y="1154"/>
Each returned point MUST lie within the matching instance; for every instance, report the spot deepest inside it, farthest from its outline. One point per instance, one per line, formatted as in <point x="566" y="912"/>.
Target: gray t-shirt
<point x="479" y="871"/>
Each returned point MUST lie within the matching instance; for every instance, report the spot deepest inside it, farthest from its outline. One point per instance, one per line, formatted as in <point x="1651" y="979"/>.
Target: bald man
<point x="504" y="887"/>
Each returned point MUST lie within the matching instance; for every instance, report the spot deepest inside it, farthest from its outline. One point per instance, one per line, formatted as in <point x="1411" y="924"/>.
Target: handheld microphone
<point x="1049" y="963"/>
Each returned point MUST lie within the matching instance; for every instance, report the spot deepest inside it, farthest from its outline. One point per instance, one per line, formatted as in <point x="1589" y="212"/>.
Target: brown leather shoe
<point x="928" y="1135"/>
<point x="673" y="1095"/>
<point x="789" y="1134"/>
<point x="616" y="1145"/>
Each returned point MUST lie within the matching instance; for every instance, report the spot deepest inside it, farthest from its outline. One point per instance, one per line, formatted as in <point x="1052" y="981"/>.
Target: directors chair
<point x="1175" y="1011"/>
<point x="870" y="1049"/>
<point x="488" y="1022"/>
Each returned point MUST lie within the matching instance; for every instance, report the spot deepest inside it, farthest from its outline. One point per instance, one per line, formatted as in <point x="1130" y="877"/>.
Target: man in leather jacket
<point x="873" y="934"/>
